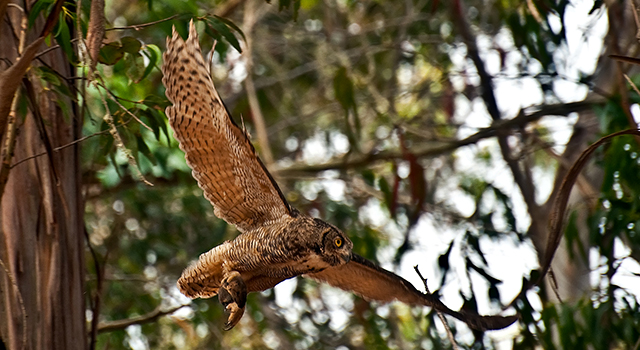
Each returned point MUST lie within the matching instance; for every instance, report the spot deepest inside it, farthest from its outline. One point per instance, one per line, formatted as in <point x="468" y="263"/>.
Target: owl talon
<point x="234" y="314"/>
<point x="233" y="296"/>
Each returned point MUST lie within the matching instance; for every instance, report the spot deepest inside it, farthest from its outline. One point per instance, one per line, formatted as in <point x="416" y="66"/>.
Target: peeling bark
<point x="41" y="240"/>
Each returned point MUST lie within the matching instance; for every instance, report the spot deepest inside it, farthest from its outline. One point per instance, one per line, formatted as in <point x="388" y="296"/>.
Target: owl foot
<point x="233" y="296"/>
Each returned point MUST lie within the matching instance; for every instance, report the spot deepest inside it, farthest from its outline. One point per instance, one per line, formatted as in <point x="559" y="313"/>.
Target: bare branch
<point x="560" y="202"/>
<point x="433" y="150"/>
<point x="59" y="148"/>
<point x="10" y="80"/>
<point x="521" y="176"/>
<point x="486" y="81"/>
<point x="146" y="318"/>
<point x="440" y="315"/>
<point x="556" y="221"/>
<point x="143" y="25"/>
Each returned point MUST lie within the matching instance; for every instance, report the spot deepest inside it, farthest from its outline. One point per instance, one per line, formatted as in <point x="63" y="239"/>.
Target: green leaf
<point x="150" y="120"/>
<point x="37" y="8"/>
<point x="156" y="102"/>
<point x="135" y="66"/>
<point x="388" y="194"/>
<point x="144" y="149"/>
<point x="368" y="176"/>
<point x="153" y="53"/>
<point x="63" y="38"/>
<point x="222" y="29"/>
<point x="110" y="53"/>
<point x="232" y="25"/>
<point x="162" y="122"/>
<point x="130" y="44"/>
<point x="47" y="74"/>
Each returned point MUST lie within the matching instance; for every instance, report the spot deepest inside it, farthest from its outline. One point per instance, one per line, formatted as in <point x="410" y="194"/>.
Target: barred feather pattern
<point x="222" y="158"/>
<point x="277" y="242"/>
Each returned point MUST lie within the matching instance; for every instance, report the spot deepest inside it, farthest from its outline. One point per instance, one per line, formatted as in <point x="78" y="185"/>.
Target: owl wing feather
<point x="372" y="282"/>
<point x="220" y="154"/>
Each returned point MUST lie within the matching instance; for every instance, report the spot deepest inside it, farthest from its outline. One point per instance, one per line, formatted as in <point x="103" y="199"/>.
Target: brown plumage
<point x="276" y="242"/>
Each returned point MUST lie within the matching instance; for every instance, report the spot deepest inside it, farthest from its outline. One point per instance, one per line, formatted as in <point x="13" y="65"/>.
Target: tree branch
<point x="146" y="318"/>
<point x="432" y="150"/>
<point x="440" y="315"/>
<point x="143" y="25"/>
<point x="11" y="78"/>
<point x="522" y="177"/>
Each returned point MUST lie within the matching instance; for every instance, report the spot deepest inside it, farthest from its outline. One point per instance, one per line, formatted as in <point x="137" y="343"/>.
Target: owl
<point x="276" y="242"/>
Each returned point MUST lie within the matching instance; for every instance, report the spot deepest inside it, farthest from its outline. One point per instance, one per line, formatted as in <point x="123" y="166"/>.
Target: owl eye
<point x="338" y="242"/>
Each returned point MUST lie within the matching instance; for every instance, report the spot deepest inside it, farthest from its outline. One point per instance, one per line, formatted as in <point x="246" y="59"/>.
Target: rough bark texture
<point x="41" y="240"/>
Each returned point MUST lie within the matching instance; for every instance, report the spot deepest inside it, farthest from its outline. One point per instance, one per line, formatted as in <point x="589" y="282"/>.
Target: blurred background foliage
<point x="388" y="119"/>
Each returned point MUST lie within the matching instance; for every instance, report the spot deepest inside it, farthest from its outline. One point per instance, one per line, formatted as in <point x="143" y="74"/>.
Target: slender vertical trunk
<point x="42" y="302"/>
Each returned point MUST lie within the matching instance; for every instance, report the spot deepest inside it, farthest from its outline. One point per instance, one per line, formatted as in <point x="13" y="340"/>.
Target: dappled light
<point x="494" y="145"/>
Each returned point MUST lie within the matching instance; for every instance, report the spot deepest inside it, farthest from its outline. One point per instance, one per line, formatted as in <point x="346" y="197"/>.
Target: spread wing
<point x="372" y="282"/>
<point x="222" y="158"/>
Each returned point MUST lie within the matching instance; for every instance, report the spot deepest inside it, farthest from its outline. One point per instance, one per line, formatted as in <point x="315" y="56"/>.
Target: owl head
<point x="335" y="246"/>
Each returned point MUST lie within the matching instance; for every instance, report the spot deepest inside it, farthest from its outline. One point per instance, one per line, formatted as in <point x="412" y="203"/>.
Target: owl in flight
<point x="276" y="242"/>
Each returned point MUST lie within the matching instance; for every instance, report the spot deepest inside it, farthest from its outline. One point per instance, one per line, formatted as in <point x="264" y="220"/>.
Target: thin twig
<point x="635" y="88"/>
<point x="113" y="130"/>
<point x="146" y="318"/>
<point x="115" y="99"/>
<point x="143" y="25"/>
<point x="16" y="6"/>
<point x="59" y="148"/>
<point x="635" y="347"/>
<point x="20" y="302"/>
<point x="553" y="282"/>
<point x="55" y="47"/>
<point x="440" y="314"/>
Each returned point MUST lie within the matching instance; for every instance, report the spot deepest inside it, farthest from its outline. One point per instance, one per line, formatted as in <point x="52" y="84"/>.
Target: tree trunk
<point x="42" y="302"/>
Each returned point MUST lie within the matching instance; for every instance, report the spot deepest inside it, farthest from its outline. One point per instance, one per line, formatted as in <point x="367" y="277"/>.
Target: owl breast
<point x="261" y="279"/>
<point x="268" y="260"/>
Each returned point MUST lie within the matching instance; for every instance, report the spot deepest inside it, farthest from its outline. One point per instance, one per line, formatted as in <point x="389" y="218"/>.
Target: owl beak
<point x="346" y="258"/>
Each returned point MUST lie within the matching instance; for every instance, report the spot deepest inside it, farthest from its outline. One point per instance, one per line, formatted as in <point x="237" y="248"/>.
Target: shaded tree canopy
<point x="433" y="133"/>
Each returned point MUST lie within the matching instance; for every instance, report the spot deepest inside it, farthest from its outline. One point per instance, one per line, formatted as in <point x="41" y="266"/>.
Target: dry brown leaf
<point x="96" y="31"/>
<point x="560" y="203"/>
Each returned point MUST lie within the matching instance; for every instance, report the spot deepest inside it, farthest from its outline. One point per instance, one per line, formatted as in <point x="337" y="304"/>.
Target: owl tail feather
<point x="203" y="277"/>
